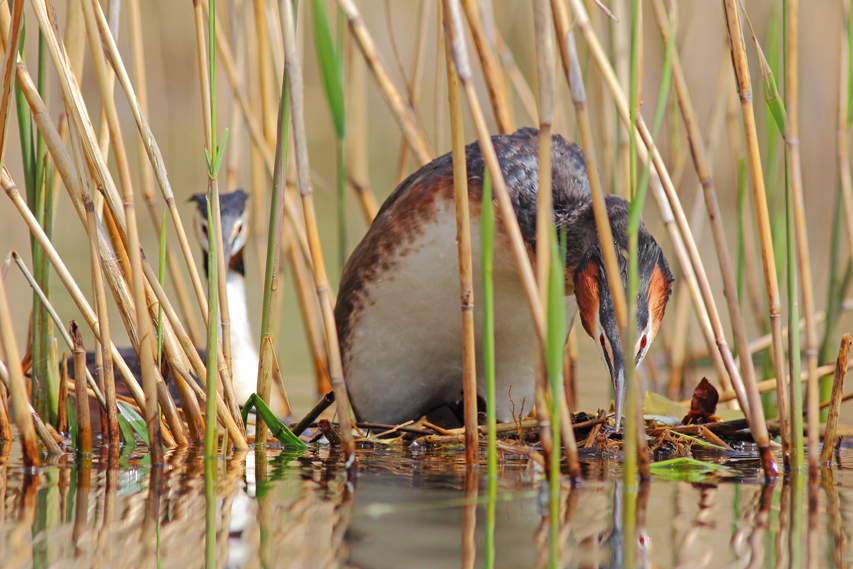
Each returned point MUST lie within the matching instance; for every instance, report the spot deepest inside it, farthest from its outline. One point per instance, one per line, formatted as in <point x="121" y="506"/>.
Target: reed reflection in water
<point x="408" y="508"/>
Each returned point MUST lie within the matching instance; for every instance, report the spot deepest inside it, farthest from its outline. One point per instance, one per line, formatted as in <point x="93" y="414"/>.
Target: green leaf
<point x="330" y="66"/>
<point x="278" y="429"/>
<point x="684" y="464"/>
<point x="135" y="420"/>
<point x="126" y="431"/>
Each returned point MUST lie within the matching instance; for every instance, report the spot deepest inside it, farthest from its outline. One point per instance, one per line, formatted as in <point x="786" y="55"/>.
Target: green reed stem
<point x="273" y="241"/>
<point x="487" y="251"/>
<point x="796" y="460"/>
<point x="210" y="437"/>
<point x="555" y="344"/>
<point x="629" y="440"/>
<point x="210" y="490"/>
<point x="210" y="433"/>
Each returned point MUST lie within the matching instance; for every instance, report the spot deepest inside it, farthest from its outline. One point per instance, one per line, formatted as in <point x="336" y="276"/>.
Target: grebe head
<point x="233" y="212"/>
<point x="595" y="302"/>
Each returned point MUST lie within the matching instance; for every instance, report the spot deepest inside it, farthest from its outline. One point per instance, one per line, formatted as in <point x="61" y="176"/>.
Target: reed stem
<point x="84" y="425"/>
<point x="294" y="76"/>
<point x="795" y="179"/>
<point x="463" y="240"/>
<point x="17" y="388"/>
<point x="835" y="401"/>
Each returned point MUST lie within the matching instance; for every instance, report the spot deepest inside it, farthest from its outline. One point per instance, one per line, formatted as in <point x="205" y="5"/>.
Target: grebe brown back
<point x="398" y="306"/>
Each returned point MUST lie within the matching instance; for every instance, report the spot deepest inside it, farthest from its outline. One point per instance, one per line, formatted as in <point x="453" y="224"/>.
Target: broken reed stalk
<point x="463" y="241"/>
<point x="495" y="86"/>
<point x="671" y="211"/>
<point x="294" y="77"/>
<point x="795" y="180"/>
<point x="276" y="219"/>
<point x="207" y="83"/>
<point x="156" y="159"/>
<point x="81" y="407"/>
<point x="402" y="112"/>
<point x="835" y="401"/>
<point x="703" y="171"/>
<point x="760" y="199"/>
<point x="146" y="183"/>
<point x="143" y="322"/>
<point x="17" y="388"/>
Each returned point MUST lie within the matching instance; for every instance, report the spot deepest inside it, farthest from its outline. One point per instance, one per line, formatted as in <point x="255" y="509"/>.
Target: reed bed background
<point x="405" y="123"/>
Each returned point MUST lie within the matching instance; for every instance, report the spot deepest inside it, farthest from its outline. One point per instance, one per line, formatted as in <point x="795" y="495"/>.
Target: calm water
<point x="409" y="508"/>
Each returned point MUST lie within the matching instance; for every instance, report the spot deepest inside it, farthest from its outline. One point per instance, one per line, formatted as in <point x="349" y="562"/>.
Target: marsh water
<point x="411" y="507"/>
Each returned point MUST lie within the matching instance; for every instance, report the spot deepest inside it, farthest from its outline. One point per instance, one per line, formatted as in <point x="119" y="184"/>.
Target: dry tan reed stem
<point x="574" y="77"/>
<point x="700" y="290"/>
<point x="401" y="111"/>
<point x="266" y="83"/>
<point x="413" y="84"/>
<point x="147" y="183"/>
<point x="8" y="71"/>
<point x="357" y="148"/>
<point x="67" y="280"/>
<point x="143" y="323"/>
<point x="294" y="76"/>
<point x="215" y="223"/>
<point x="670" y="206"/>
<point x="45" y="434"/>
<point x="17" y="388"/>
<point x="795" y="178"/>
<point x="757" y="177"/>
<point x="835" y="401"/>
<point x="703" y="171"/>
<point x="156" y="159"/>
<point x="57" y="320"/>
<point x="545" y="62"/>
<point x="466" y="271"/>
<point x="5" y="427"/>
<point x="490" y="70"/>
<point x="79" y="113"/>
<point x="81" y="408"/>
<point x="507" y="213"/>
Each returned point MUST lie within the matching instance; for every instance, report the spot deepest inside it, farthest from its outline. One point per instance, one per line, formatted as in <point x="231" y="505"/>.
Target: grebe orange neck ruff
<point x="398" y="306"/>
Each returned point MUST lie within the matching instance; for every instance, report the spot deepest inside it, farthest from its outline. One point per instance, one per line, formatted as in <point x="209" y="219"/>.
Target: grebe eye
<point x="642" y="342"/>
<point x="601" y="339"/>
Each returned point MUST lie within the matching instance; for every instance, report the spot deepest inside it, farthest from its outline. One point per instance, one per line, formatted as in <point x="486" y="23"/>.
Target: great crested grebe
<point x="398" y="313"/>
<point x="244" y="353"/>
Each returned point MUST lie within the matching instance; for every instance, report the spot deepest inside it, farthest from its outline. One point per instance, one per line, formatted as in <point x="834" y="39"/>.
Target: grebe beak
<point x="617" y="375"/>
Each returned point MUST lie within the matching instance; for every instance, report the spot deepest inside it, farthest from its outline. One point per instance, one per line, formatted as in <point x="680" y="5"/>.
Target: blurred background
<point x="176" y="120"/>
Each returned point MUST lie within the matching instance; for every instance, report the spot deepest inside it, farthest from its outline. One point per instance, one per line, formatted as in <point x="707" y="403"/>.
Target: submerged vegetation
<point x="175" y="401"/>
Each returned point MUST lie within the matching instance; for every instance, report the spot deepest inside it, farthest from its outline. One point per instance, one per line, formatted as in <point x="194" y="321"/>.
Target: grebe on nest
<point x="398" y="313"/>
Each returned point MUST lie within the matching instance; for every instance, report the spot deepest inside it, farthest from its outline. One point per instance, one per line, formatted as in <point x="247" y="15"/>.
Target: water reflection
<point x="408" y="508"/>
